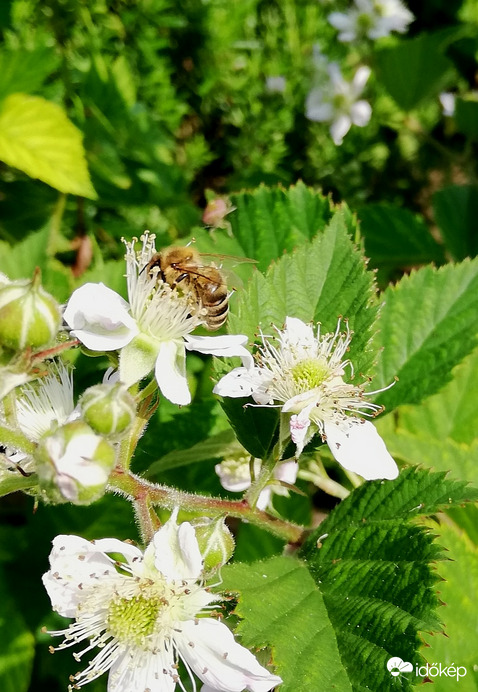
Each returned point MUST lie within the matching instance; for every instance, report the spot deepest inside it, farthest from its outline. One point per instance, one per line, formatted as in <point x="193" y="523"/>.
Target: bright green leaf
<point x="373" y="567"/>
<point x="270" y="221"/>
<point x="428" y="324"/>
<point x="283" y="608"/>
<point x="37" y="138"/>
<point x="434" y="453"/>
<point x="319" y="282"/>
<point x="460" y="614"/>
<point x="452" y="412"/>
<point x="455" y="209"/>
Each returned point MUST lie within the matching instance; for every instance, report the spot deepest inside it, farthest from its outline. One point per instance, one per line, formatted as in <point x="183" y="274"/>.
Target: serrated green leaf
<point x="455" y="209"/>
<point x="407" y="242"/>
<point x="452" y="412"/>
<point x="283" y="608"/>
<point x="415" y="69"/>
<point x="415" y="492"/>
<point x="270" y="221"/>
<point x="319" y="282"/>
<point x="460" y="614"/>
<point x="421" y="329"/>
<point x="373" y="567"/>
<point x="37" y="137"/>
<point x="16" y="645"/>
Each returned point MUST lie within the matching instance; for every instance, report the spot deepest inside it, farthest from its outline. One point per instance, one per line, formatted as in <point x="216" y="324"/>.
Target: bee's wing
<point x="230" y="260"/>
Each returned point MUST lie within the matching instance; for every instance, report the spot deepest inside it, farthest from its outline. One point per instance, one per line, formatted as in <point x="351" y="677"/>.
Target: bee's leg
<point x="180" y="278"/>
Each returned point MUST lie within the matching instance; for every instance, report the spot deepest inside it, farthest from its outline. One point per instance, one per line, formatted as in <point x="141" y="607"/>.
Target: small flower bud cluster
<point x="71" y="459"/>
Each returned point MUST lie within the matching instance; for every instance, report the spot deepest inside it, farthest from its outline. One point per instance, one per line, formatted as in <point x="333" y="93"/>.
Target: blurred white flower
<point x="276" y="84"/>
<point x="447" y="100"/>
<point x="235" y="476"/>
<point x="337" y="102"/>
<point x="303" y="375"/>
<point x="152" y="331"/>
<point x="144" y="612"/>
<point x="371" y="18"/>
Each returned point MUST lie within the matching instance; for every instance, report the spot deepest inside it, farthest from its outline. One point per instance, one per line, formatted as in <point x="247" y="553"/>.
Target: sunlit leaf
<point x="428" y="324"/>
<point x="278" y="597"/>
<point x="37" y="137"/>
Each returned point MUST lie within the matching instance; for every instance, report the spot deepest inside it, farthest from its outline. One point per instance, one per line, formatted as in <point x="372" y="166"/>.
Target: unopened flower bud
<point x="29" y="316"/>
<point x="108" y="409"/>
<point x="216" y="211"/>
<point x="74" y="464"/>
<point x="216" y="543"/>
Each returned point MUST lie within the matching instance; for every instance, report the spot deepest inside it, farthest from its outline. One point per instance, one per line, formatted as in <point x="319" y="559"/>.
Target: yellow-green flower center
<point x="364" y="22"/>
<point x="310" y="373"/>
<point x="133" y="619"/>
<point x="340" y="102"/>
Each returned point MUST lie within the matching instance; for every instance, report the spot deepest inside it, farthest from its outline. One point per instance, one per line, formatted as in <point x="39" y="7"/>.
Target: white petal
<point x="447" y="100"/>
<point x="99" y="318"/>
<point x="208" y="646"/>
<point x="112" y="545"/>
<point x="177" y="554"/>
<point x="302" y="403"/>
<point x="299" y="430"/>
<point x="170" y="371"/>
<point x="75" y="467"/>
<point x="156" y="673"/>
<point x="360" y="113"/>
<point x="340" y="20"/>
<point x="240" y="382"/>
<point x="75" y="564"/>
<point x="335" y="75"/>
<point x="287" y="471"/>
<point x="360" y="79"/>
<point x="361" y="449"/>
<point x="297" y="333"/>
<point x="316" y="108"/>
<point x="227" y="345"/>
<point x="264" y="498"/>
<point x="339" y="128"/>
<point x="346" y="24"/>
<point x="233" y="479"/>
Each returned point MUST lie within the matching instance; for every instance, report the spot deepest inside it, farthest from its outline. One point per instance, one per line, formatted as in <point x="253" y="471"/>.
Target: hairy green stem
<point x="138" y="489"/>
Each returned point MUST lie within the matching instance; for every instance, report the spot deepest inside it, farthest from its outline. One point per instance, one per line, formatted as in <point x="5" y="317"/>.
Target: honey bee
<point x="183" y="269"/>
